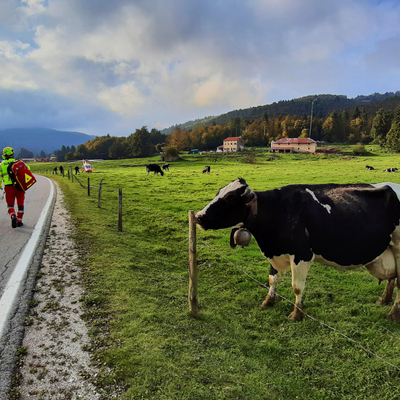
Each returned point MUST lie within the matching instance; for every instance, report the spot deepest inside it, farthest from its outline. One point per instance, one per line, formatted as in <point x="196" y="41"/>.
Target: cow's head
<point x="229" y="208"/>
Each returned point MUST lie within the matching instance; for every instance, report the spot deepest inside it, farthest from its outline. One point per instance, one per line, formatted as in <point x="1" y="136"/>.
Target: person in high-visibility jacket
<point x="12" y="193"/>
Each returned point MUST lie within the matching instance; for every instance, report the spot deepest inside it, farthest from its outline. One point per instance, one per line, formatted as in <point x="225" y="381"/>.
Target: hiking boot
<point x="13" y="221"/>
<point x="20" y="224"/>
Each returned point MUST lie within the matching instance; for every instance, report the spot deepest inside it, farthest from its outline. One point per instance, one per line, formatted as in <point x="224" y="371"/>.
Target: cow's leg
<point x="299" y="276"/>
<point x="387" y="296"/>
<point x="395" y="311"/>
<point x="274" y="276"/>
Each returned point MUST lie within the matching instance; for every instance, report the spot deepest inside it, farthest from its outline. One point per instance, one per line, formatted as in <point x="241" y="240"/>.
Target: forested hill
<point x="325" y="104"/>
<point x="40" y="139"/>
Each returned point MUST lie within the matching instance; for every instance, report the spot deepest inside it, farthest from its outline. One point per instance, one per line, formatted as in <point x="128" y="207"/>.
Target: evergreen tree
<point x="357" y="113"/>
<point x="393" y="137"/>
<point x="82" y="150"/>
<point x="332" y="127"/>
<point x="24" y="153"/>
<point x="381" y="126"/>
<point x="118" y="149"/>
<point x="345" y="125"/>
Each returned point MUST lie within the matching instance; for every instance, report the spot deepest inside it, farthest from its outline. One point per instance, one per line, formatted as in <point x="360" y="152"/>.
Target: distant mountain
<point x="38" y="139"/>
<point x="325" y="104"/>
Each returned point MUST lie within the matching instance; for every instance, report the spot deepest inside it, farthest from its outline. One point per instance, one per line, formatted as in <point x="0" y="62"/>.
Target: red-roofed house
<point x="294" y="145"/>
<point x="233" y="144"/>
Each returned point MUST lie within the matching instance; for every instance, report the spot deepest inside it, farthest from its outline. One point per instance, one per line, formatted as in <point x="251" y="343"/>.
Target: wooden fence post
<point x="193" y="301"/>
<point x="120" y="210"/>
<point x="88" y="186"/>
<point x="99" y="198"/>
<point x="68" y="175"/>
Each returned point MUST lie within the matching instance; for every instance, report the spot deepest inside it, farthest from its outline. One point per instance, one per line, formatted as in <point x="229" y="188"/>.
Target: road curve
<point x="21" y="251"/>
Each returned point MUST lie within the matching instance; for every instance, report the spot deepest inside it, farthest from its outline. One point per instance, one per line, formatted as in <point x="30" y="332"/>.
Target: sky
<point x="110" y="67"/>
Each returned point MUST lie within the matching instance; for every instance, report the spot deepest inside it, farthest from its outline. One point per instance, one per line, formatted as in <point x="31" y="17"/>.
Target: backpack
<point x="21" y="176"/>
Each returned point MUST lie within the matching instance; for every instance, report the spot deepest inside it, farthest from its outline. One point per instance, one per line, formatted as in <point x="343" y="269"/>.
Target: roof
<point x="233" y="138"/>
<point x="294" y="141"/>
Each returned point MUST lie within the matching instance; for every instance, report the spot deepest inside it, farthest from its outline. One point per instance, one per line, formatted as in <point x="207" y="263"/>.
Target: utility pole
<point x="312" y="110"/>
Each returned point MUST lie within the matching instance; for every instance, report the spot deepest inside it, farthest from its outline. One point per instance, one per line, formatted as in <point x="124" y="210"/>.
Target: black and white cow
<point x="154" y="168"/>
<point x="165" y="167"/>
<point x="390" y="170"/>
<point x="369" y="167"/>
<point x="343" y="226"/>
<point x="206" y="169"/>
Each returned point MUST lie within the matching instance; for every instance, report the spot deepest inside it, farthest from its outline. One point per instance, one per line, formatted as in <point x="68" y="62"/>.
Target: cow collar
<point x="249" y="221"/>
<point x="253" y="204"/>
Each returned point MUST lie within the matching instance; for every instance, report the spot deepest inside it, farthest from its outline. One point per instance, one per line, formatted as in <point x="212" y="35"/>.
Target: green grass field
<point x="137" y="290"/>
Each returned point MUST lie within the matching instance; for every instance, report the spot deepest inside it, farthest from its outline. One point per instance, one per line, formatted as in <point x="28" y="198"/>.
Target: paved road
<point x="21" y="251"/>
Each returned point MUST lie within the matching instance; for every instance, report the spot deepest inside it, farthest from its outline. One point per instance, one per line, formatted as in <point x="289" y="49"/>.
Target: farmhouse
<point x="294" y="145"/>
<point x="232" y="144"/>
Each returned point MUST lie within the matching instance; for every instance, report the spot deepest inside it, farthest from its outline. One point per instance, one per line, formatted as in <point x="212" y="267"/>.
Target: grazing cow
<point x="154" y="168"/>
<point x="343" y="226"/>
<point x="165" y="167"/>
<point x="369" y="167"/>
<point x="390" y="170"/>
<point x="206" y="169"/>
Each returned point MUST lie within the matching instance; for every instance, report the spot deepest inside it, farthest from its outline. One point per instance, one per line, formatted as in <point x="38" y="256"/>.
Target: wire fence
<point x="207" y="245"/>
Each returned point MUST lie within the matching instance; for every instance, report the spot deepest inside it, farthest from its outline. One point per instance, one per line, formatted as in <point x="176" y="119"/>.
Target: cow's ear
<point x="248" y="195"/>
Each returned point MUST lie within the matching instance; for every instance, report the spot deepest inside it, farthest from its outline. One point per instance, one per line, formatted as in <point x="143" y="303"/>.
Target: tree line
<point x="383" y="128"/>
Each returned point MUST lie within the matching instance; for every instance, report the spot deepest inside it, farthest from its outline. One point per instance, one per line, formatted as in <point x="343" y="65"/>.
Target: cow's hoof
<point x="296" y="316"/>
<point x="385" y="301"/>
<point x="268" y="302"/>
<point x="394" y="314"/>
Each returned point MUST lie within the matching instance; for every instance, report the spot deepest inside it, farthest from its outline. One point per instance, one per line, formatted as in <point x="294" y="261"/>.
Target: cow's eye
<point x="230" y="199"/>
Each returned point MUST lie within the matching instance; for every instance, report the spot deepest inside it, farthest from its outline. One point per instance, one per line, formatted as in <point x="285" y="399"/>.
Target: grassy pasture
<point x="137" y="287"/>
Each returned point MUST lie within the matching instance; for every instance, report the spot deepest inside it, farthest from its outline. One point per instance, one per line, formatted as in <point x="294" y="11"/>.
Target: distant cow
<point x="343" y="226"/>
<point x="369" y="167"/>
<point x="165" y="167"/>
<point x="390" y="170"/>
<point x="206" y="169"/>
<point x="154" y="168"/>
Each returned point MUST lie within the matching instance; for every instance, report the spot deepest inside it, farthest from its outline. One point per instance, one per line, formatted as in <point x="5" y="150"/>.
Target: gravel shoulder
<point x="53" y="362"/>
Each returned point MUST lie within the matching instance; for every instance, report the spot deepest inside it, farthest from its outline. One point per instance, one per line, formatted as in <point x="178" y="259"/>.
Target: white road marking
<point x="18" y="276"/>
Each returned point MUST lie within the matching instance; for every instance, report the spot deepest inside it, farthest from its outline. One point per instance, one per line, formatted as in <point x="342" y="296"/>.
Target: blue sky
<point x="110" y="67"/>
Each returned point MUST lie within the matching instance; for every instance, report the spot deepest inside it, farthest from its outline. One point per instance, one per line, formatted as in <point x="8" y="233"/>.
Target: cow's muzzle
<point x="197" y="218"/>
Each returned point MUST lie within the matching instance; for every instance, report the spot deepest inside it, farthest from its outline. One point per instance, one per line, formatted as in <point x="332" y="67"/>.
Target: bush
<point x="359" y="150"/>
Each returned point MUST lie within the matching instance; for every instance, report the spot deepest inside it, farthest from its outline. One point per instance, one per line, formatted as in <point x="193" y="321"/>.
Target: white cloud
<point x="156" y="62"/>
<point x="33" y="7"/>
<point x="125" y="99"/>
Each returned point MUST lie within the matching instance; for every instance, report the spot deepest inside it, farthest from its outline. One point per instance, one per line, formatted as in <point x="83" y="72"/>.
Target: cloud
<point x="150" y="62"/>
